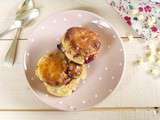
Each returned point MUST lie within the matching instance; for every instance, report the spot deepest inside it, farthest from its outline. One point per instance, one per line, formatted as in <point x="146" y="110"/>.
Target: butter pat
<point x="150" y="56"/>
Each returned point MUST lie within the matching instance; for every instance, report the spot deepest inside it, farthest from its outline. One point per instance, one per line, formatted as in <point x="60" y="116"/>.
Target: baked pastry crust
<point x="80" y="44"/>
<point x="59" y="75"/>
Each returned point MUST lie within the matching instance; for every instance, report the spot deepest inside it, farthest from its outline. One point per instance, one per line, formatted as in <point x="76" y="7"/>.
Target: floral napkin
<point x="142" y="15"/>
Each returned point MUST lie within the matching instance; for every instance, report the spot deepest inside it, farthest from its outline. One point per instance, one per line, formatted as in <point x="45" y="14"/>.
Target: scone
<point x="60" y="76"/>
<point x="80" y="45"/>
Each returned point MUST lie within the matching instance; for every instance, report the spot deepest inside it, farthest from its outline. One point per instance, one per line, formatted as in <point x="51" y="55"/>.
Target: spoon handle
<point x="7" y="31"/>
<point x="11" y="53"/>
<point x="17" y="24"/>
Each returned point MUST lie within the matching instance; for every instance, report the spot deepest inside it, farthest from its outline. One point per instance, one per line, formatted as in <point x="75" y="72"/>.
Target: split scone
<point x="60" y="76"/>
<point x="80" y="44"/>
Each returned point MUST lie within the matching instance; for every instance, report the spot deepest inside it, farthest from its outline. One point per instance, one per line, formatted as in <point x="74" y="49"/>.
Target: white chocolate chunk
<point x="155" y="72"/>
<point x="150" y="56"/>
<point x="158" y="51"/>
<point x="139" y="61"/>
<point x="158" y="61"/>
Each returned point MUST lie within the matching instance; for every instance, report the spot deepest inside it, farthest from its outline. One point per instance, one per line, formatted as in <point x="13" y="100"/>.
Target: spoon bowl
<point x="29" y="17"/>
<point x="25" y="6"/>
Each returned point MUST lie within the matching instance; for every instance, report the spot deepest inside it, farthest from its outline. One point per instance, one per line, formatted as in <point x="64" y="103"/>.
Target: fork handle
<point x="11" y="53"/>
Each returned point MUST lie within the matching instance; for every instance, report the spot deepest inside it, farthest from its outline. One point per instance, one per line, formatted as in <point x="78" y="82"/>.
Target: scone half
<point x="60" y="76"/>
<point x="80" y="44"/>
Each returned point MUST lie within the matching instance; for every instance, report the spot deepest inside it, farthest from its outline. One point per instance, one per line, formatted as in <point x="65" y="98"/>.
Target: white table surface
<point x="133" y="99"/>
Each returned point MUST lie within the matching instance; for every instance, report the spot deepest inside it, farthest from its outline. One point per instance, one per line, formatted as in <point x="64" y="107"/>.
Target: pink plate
<point x="104" y="73"/>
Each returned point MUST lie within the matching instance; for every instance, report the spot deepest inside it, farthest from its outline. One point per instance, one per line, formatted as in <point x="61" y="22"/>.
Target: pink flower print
<point x="140" y="9"/>
<point x="158" y="3"/>
<point x="128" y="20"/>
<point x="154" y="29"/>
<point x="129" y="23"/>
<point x="147" y="8"/>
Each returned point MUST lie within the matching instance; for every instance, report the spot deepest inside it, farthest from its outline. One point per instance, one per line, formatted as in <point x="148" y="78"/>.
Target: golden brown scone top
<point x="56" y="70"/>
<point x="83" y="41"/>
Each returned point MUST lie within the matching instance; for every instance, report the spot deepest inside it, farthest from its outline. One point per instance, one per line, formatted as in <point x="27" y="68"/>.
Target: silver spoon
<point x="20" y="15"/>
<point x="25" y="18"/>
<point x="25" y="6"/>
<point x="10" y="56"/>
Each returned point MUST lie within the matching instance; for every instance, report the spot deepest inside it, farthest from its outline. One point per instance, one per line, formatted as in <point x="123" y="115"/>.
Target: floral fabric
<point x="142" y="15"/>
